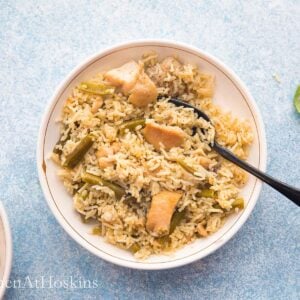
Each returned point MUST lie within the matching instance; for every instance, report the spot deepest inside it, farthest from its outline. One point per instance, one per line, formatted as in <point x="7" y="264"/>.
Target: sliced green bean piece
<point x="217" y="206"/>
<point x="61" y="143"/>
<point x="56" y="150"/>
<point x="238" y="203"/>
<point x="131" y="125"/>
<point x="93" y="179"/>
<point x="78" y="153"/>
<point x="83" y="195"/>
<point x="83" y="219"/>
<point x="96" y="88"/>
<point x="207" y="193"/>
<point x="185" y="166"/>
<point x="97" y="231"/>
<point x="178" y="216"/>
<point x="164" y="241"/>
<point x="134" y="248"/>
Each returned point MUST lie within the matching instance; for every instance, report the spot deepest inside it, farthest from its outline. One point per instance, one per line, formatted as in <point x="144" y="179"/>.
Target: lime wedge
<point x="297" y="99"/>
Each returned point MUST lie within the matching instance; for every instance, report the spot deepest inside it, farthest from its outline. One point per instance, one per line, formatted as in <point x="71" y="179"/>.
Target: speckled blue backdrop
<point x="41" y="41"/>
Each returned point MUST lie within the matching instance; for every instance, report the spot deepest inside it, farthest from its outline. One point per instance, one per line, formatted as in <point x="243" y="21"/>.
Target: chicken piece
<point x="125" y="76"/>
<point x="161" y="211"/>
<point x="144" y="91"/>
<point x="105" y="162"/>
<point x="167" y="135"/>
<point x="96" y="105"/>
<point x="133" y="82"/>
<point x="104" y="152"/>
<point x="105" y="157"/>
<point x="204" y="162"/>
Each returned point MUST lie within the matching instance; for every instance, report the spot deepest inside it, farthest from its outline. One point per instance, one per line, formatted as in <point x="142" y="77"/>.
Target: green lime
<point x="297" y="99"/>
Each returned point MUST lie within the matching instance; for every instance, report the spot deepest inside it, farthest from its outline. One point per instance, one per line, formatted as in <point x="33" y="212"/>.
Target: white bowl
<point x="5" y="251"/>
<point x="231" y="94"/>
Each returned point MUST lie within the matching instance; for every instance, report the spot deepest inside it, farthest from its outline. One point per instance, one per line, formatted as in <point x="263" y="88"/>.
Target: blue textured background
<point x="41" y="41"/>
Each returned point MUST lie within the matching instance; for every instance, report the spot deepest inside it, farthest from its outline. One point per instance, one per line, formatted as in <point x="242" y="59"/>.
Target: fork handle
<point x="290" y="192"/>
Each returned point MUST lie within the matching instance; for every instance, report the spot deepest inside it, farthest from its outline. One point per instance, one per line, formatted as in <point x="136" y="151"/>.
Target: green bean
<point x="57" y="150"/>
<point x="96" y="88"/>
<point x="164" y="241"/>
<point x="93" y="179"/>
<point x="97" y="231"/>
<point x="61" y="143"/>
<point x="118" y="190"/>
<point x="217" y="206"/>
<point x="78" y="153"/>
<point x="81" y="196"/>
<point x="185" y="166"/>
<point x="134" y="248"/>
<point x="83" y="219"/>
<point x="178" y="216"/>
<point x="131" y="125"/>
<point x="207" y="193"/>
<point x="81" y="187"/>
<point x="238" y="203"/>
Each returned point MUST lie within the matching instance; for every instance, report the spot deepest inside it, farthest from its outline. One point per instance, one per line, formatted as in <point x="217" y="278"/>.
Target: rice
<point x="208" y="195"/>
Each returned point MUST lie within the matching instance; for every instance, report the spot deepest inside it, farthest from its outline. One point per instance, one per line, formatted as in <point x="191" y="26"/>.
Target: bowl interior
<point x="229" y="94"/>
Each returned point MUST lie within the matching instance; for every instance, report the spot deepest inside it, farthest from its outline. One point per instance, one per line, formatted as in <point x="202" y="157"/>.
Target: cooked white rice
<point x="144" y="171"/>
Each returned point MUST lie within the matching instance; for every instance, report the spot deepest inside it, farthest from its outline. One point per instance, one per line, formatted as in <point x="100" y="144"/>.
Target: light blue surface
<point x="41" y="41"/>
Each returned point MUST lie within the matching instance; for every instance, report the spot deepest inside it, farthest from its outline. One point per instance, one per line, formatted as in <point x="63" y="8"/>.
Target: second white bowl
<point x="5" y="250"/>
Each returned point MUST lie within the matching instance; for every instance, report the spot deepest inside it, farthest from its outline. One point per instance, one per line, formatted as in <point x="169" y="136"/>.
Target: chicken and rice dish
<point x="141" y="169"/>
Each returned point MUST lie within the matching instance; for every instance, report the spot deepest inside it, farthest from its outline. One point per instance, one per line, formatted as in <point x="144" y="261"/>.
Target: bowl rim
<point x="250" y="102"/>
<point x="8" y="250"/>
